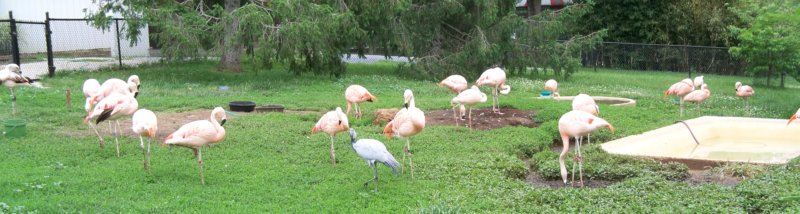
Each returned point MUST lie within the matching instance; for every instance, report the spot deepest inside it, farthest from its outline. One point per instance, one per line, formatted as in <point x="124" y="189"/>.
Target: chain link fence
<point x="69" y="44"/>
<point x="678" y="58"/>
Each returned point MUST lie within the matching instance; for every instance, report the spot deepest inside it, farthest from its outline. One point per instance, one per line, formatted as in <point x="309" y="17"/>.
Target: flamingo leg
<point x="144" y="153"/>
<point x="574" y="162"/>
<point x="333" y="153"/>
<point x="102" y="143"/>
<point x="358" y="111"/>
<point x="497" y="96"/>
<point x="410" y="162"/>
<point x="564" y="150"/>
<point x="455" y="116"/>
<point x="463" y="111"/>
<point x="681" y="106"/>
<point x="200" y="162"/>
<point x="470" y="117"/>
<point x="148" y="154"/>
<point x="580" y="161"/>
<point x="13" y="102"/>
<point x="116" y="137"/>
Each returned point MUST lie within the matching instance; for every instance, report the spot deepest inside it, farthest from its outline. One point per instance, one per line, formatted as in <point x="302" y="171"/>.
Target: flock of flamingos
<point x="115" y="99"/>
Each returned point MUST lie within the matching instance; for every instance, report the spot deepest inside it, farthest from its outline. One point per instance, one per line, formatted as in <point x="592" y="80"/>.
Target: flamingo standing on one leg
<point x="373" y="151"/>
<point x="586" y="103"/>
<point x="112" y="108"/>
<point x="698" y="82"/>
<point x="11" y="76"/>
<point x="793" y="117"/>
<point x="680" y="89"/>
<point x="576" y="124"/>
<point x="196" y="134"/>
<point x="468" y="98"/>
<point x="552" y="86"/>
<point x="91" y="87"/>
<point x="745" y="92"/>
<point x="331" y="123"/>
<point x="698" y="96"/>
<point x="496" y="78"/>
<point x="408" y="122"/>
<point x="456" y="83"/>
<point x="145" y="123"/>
<point x="355" y="94"/>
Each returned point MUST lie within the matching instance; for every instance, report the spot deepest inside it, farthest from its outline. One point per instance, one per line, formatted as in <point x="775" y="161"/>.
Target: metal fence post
<point x="14" y="42"/>
<point x="51" y="69"/>
<point x="119" y="47"/>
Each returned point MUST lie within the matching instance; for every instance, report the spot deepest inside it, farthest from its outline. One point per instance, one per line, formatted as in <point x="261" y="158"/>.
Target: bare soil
<point x="484" y="119"/>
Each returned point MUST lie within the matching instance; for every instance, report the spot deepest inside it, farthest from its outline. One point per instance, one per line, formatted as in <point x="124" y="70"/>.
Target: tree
<point x="687" y="22"/>
<point x="768" y="41"/>
<point x="308" y="35"/>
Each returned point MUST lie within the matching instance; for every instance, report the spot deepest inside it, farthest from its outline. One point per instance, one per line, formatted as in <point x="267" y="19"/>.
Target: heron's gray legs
<point x="374" y="178"/>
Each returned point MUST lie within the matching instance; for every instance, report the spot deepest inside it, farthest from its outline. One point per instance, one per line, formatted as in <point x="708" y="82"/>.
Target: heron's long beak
<point x="791" y="119"/>
<point x="611" y="128"/>
<point x="223" y="122"/>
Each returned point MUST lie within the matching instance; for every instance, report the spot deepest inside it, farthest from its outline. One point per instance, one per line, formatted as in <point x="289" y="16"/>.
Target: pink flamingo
<point x="145" y="123"/>
<point x="331" y="123"/>
<point x="135" y="80"/>
<point x="199" y="133"/>
<point x="456" y="83"/>
<point x="115" y="85"/>
<point x="698" y="82"/>
<point x="745" y="92"/>
<point x="680" y="89"/>
<point x="698" y="96"/>
<point x="112" y="108"/>
<point x="11" y="76"/>
<point x="584" y="102"/>
<point x="496" y="78"/>
<point x="576" y="124"/>
<point x="552" y="86"/>
<point x="794" y="116"/>
<point x="355" y="94"/>
<point x="408" y="122"/>
<point x="91" y="87"/>
<point x="468" y="98"/>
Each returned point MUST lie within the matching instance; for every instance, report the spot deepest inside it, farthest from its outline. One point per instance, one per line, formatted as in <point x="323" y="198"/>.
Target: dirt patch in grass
<point x="697" y="177"/>
<point x="485" y="119"/>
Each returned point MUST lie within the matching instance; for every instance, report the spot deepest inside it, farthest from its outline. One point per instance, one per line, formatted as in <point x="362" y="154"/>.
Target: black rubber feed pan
<point x="242" y="106"/>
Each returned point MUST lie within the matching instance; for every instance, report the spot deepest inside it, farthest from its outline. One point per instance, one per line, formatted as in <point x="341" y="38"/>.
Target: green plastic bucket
<point x="14" y="127"/>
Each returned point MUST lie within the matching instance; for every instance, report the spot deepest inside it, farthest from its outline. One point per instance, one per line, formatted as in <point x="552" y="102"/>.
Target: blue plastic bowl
<point x="544" y="93"/>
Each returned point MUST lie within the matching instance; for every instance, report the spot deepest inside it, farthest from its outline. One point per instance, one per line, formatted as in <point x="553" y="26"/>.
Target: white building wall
<point x="67" y="35"/>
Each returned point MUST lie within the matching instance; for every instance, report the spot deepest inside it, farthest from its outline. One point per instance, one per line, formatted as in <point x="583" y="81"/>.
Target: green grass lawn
<point x="270" y="162"/>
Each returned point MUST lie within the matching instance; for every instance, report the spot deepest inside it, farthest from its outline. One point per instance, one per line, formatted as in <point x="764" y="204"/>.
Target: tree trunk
<point x="537" y="6"/>
<point x="769" y="75"/>
<point x="783" y="77"/>
<point x="231" y="47"/>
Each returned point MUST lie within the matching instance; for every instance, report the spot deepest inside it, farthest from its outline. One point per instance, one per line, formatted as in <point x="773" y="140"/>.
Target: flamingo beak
<point x="340" y="122"/>
<point x="610" y="128"/>
<point x="223" y="122"/>
<point x="405" y="105"/>
<point x="135" y="94"/>
<point x="791" y="119"/>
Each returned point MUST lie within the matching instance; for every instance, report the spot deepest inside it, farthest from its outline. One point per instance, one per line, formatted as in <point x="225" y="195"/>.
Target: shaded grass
<point x="269" y="162"/>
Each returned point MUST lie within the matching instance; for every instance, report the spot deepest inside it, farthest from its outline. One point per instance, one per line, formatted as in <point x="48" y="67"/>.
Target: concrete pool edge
<point x="722" y="139"/>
